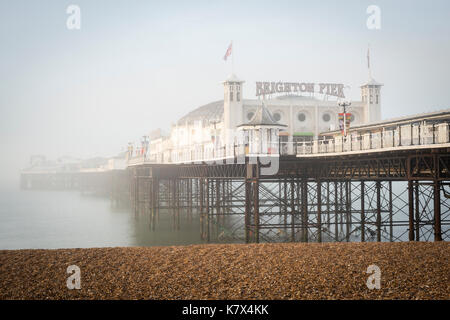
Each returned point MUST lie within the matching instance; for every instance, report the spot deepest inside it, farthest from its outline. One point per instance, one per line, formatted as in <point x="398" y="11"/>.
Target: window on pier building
<point x="377" y="100"/>
<point x="277" y="116"/>
<point x="231" y="95"/>
<point x="238" y="96"/>
<point x="301" y="117"/>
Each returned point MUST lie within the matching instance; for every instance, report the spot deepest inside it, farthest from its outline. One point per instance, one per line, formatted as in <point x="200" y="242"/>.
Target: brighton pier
<point x="331" y="89"/>
<point x="380" y="181"/>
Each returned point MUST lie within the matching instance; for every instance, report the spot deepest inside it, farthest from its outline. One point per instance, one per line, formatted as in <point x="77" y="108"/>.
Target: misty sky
<point x="138" y="65"/>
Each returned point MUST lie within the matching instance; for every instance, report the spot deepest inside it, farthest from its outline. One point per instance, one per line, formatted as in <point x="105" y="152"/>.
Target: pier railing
<point x="407" y="136"/>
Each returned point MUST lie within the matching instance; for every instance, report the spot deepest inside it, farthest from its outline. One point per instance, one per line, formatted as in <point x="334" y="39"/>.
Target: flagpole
<point x="232" y="57"/>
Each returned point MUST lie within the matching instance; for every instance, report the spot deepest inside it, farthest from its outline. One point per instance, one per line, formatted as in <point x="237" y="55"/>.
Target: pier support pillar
<point x="248" y="196"/>
<point x="256" y="207"/>
<point x="208" y="209"/>
<point x="155" y="201"/>
<point x="363" y="213"/>
<point x="348" y="216"/>
<point x="217" y="208"/>
<point x="411" y="210"/>
<point x="201" y="192"/>
<point x="391" y="221"/>
<point x="252" y="202"/>
<point x="293" y="211"/>
<point x="437" y="211"/>
<point x="336" y="212"/>
<point x="319" y="211"/>
<point x="305" y="226"/>
<point x="378" y="187"/>
<point x="417" y="210"/>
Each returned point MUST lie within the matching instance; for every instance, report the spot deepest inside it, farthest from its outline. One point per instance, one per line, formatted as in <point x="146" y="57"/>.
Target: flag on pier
<point x="344" y="125"/>
<point x="228" y="53"/>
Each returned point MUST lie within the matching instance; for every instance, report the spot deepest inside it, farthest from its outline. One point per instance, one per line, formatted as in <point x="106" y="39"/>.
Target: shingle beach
<point x="231" y="271"/>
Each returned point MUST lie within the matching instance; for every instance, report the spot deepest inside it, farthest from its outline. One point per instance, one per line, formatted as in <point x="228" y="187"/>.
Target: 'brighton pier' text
<point x="331" y="89"/>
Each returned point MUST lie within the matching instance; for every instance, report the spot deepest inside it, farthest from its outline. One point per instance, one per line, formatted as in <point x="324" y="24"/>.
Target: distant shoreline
<point x="231" y="271"/>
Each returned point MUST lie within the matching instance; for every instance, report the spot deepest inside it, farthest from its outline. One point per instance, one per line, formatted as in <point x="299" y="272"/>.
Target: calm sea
<point x="67" y="219"/>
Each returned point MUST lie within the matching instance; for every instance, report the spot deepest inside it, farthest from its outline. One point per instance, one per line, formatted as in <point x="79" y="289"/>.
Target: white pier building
<point x="293" y="112"/>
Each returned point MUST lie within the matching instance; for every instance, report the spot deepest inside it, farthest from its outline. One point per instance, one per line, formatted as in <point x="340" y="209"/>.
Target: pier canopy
<point x="261" y="132"/>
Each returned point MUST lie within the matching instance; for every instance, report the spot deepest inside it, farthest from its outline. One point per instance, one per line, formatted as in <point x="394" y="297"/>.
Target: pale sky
<point x="135" y="66"/>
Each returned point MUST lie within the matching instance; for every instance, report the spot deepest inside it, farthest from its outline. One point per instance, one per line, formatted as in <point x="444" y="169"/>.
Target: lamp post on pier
<point x="144" y="143"/>
<point x="344" y="105"/>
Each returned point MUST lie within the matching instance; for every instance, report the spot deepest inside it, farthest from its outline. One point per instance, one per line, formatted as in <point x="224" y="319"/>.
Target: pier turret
<point x="371" y="96"/>
<point x="232" y="106"/>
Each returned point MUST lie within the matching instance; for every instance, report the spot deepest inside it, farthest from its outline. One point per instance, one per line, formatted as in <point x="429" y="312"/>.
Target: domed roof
<point x="210" y="111"/>
<point x="233" y="78"/>
<point x="372" y="82"/>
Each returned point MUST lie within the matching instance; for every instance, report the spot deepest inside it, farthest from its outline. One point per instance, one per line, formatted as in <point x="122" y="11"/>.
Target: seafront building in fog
<point x="281" y="115"/>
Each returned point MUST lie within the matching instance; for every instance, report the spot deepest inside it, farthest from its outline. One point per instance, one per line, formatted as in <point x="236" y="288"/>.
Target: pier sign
<point x="329" y="89"/>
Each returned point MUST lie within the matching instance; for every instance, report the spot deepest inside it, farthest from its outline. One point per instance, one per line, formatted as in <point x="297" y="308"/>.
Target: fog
<point x="134" y="66"/>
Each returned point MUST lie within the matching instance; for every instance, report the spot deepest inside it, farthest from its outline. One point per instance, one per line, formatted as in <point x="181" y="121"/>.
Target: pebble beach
<point x="410" y="270"/>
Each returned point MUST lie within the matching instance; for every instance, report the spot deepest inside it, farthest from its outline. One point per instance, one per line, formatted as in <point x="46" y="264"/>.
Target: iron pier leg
<point x="437" y="211"/>
<point x="152" y="205"/>
<point x="248" y="201"/>
<point x="391" y="221"/>
<point x="417" y="212"/>
<point x="208" y="211"/>
<point x="319" y="211"/>
<point x="411" y="210"/>
<point x="378" y="186"/>
<point x="328" y="207"/>
<point x="178" y="204"/>
<point x="305" y="209"/>
<point x="256" y="207"/>
<point x="285" y="205"/>
<point x="293" y="211"/>
<point x="202" y="213"/>
<point x="363" y="214"/>
<point x="347" y="211"/>
<point x="217" y="208"/>
<point x="336" y="212"/>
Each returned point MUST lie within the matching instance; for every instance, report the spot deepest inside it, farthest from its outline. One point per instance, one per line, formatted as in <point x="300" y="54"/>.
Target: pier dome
<point x="210" y="111"/>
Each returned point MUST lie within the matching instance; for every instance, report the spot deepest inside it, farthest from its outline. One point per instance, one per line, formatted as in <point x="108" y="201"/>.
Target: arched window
<point x="277" y="116"/>
<point x="301" y="117"/>
<point x="250" y="115"/>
